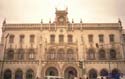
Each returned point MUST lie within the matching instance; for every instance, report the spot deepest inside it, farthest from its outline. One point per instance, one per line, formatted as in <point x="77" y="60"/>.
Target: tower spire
<point x="119" y="21"/>
<point x="81" y="21"/>
<point x="4" y="22"/>
<point x="41" y="21"/>
<point x="72" y="20"/>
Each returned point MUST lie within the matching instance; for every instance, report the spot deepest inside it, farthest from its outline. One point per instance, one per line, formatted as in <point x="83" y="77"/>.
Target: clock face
<point x="61" y="19"/>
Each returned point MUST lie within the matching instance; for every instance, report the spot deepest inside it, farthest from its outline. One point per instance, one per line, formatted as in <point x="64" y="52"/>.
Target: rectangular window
<point x="32" y="38"/>
<point x="70" y="39"/>
<point x="90" y="38"/>
<point x="21" y="38"/>
<point x="111" y="38"/>
<point x="11" y="39"/>
<point x="20" y="54"/>
<point x="61" y="38"/>
<point x="52" y="38"/>
<point x="101" y="38"/>
<point x="123" y="38"/>
<point x="51" y="56"/>
<point x="70" y="56"/>
<point x="31" y="56"/>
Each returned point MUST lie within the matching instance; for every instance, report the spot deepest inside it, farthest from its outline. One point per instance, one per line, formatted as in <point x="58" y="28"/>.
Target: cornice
<point x="74" y="26"/>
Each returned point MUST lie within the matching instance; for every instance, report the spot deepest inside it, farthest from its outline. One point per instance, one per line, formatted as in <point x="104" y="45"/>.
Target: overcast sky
<point x="27" y="11"/>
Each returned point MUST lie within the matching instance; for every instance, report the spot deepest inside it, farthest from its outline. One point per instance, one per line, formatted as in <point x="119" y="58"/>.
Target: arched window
<point x="29" y="74"/>
<point x="112" y="54"/>
<point x="61" y="54"/>
<point x="103" y="72"/>
<point x="31" y="54"/>
<point x="20" y="54"/>
<point x="7" y="74"/>
<point x="92" y="74"/>
<point x="102" y="54"/>
<point x="51" y="71"/>
<point x="10" y="54"/>
<point x="70" y="54"/>
<point x="51" y="54"/>
<point x="19" y="74"/>
<point x="91" y="54"/>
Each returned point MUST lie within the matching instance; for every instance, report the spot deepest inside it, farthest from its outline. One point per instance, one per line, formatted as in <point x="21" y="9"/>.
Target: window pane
<point x="11" y="39"/>
<point x="32" y="37"/>
<point x="10" y="55"/>
<point x="70" y="39"/>
<point x="70" y="54"/>
<point x="19" y="74"/>
<point x="123" y="38"/>
<point x="29" y="74"/>
<point x="51" y="55"/>
<point x="7" y="74"/>
<point x="91" y="54"/>
<point x="102" y="54"/>
<point x="21" y="54"/>
<point x="52" y="38"/>
<point x="111" y="38"/>
<point x="21" y="38"/>
<point x="101" y="38"/>
<point x="112" y="54"/>
<point x="61" y="38"/>
<point x="60" y="54"/>
<point x="90" y="38"/>
<point x="31" y="55"/>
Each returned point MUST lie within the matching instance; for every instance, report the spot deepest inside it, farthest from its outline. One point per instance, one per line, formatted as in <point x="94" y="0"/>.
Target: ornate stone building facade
<point x="62" y="48"/>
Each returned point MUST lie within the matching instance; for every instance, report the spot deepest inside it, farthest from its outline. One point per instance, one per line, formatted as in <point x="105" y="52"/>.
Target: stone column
<point x="38" y="73"/>
<point x="24" y="75"/>
<point x="13" y="75"/>
<point x="96" y="54"/>
<point x="80" y="47"/>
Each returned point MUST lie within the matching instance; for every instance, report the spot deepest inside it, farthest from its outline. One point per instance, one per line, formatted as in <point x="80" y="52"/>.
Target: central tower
<point x="61" y="17"/>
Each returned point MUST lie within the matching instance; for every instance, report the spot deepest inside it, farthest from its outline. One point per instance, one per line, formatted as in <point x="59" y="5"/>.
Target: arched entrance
<point x="51" y="71"/>
<point x="19" y="74"/>
<point x="115" y="73"/>
<point x="7" y="74"/>
<point x="103" y="72"/>
<point x="92" y="74"/>
<point x="70" y="73"/>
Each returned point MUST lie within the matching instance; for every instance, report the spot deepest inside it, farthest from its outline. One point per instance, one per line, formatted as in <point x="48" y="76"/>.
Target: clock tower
<point x="61" y="17"/>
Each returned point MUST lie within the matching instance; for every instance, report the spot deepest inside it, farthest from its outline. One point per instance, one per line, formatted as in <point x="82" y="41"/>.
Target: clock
<point x="61" y="19"/>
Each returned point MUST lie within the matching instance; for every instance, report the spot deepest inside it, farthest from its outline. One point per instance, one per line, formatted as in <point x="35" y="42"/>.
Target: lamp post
<point x="2" y="66"/>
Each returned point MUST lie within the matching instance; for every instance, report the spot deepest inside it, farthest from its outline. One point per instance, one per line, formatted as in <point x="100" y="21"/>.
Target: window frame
<point x="52" y="38"/>
<point x="111" y="38"/>
<point x="101" y="38"/>
<point x="90" y="38"/>
<point x="32" y="38"/>
<point x="11" y="39"/>
<point x="70" y="38"/>
<point x="21" y="38"/>
<point x="61" y="38"/>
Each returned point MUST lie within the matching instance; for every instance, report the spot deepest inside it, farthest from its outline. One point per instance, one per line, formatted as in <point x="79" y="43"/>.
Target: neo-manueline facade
<point x="61" y="48"/>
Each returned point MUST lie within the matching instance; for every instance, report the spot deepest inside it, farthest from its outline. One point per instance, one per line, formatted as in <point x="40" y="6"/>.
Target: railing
<point x="63" y="57"/>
